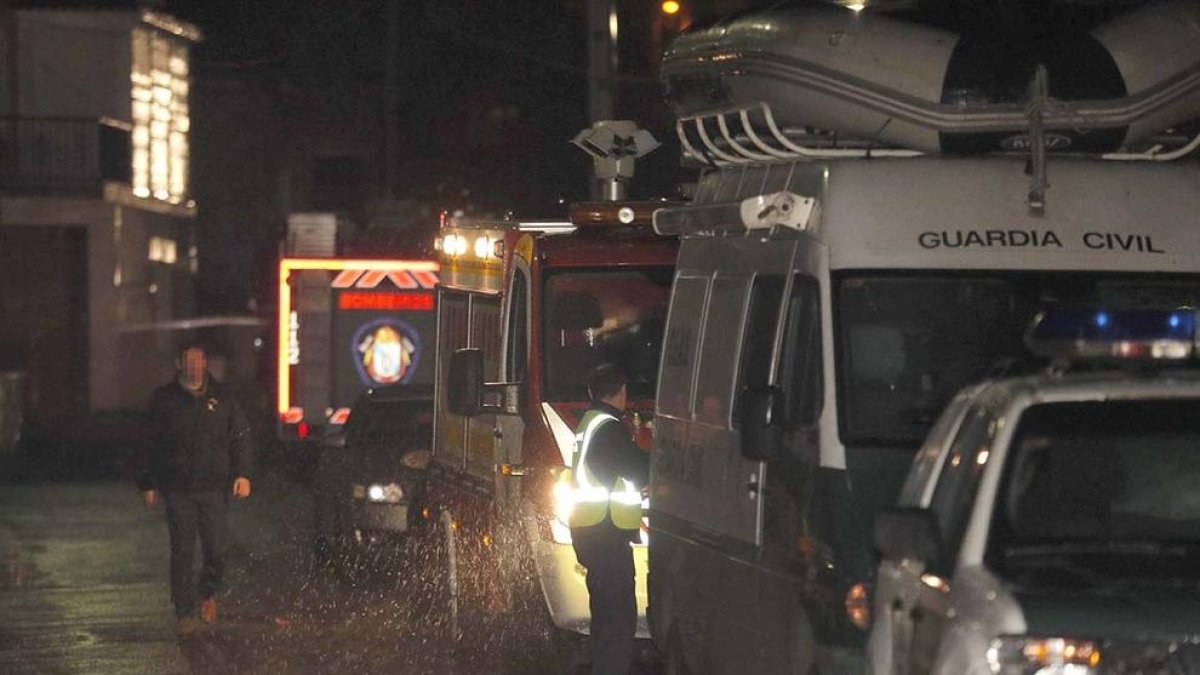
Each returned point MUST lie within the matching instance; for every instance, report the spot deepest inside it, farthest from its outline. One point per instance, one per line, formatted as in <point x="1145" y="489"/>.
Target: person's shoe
<point x="208" y="610"/>
<point x="185" y="626"/>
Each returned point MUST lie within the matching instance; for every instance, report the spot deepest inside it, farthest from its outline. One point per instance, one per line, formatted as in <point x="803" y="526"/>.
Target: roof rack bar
<point x="712" y="147"/>
<point x="754" y="137"/>
<point x="732" y="141"/>
<point x="689" y="149"/>
<point x="1154" y="154"/>
<point x="828" y="154"/>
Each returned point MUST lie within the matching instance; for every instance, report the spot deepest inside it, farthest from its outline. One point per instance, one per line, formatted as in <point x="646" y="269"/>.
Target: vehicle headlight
<point x="562" y="498"/>
<point x="385" y="494"/>
<point x="1043" y="656"/>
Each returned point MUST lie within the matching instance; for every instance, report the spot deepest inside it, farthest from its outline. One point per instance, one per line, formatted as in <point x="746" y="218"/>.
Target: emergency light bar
<point x="1137" y="334"/>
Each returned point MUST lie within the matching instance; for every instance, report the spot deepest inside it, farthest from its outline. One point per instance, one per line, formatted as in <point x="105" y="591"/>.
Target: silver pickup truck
<point x="1051" y="523"/>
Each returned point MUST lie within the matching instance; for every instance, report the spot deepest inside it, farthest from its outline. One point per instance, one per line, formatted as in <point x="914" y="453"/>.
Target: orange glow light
<point x="286" y="265"/>
<point x="671" y="7"/>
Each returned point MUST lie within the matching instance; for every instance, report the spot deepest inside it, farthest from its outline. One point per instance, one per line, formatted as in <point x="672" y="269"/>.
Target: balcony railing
<point x="61" y="154"/>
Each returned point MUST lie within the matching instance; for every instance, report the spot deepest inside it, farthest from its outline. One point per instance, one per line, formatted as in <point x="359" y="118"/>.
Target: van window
<point x="766" y="297"/>
<point x="908" y="341"/>
<point x="679" y="345"/>
<point x="517" y="357"/>
<point x="800" y="367"/>
<point x="722" y="328"/>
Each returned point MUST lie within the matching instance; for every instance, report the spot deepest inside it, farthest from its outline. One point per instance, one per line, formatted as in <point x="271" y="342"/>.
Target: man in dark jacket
<point x="609" y="471"/>
<point x="200" y="452"/>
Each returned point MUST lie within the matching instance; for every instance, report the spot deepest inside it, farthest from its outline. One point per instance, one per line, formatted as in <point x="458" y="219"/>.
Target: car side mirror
<point x="464" y="382"/>
<point x="762" y="423"/>
<point x="908" y="533"/>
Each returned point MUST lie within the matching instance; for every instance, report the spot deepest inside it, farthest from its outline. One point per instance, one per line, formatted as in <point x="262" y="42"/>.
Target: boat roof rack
<point x="749" y="134"/>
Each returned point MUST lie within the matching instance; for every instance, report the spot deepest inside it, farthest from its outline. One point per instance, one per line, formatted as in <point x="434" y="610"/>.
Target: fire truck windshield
<point x="598" y="315"/>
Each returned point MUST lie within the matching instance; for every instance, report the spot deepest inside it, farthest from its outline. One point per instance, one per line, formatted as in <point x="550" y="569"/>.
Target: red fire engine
<point x="535" y="306"/>
<point x="346" y="325"/>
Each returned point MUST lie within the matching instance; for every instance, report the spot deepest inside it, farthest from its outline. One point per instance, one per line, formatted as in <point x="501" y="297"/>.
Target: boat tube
<point x="785" y="81"/>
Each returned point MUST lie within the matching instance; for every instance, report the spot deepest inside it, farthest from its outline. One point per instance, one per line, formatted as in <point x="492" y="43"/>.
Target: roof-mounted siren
<point x="1101" y="334"/>
<point x="615" y="145"/>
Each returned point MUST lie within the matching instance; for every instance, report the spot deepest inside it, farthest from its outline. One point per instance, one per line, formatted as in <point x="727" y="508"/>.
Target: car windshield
<point x="594" y="316"/>
<point x="908" y="342"/>
<point x="1102" y="490"/>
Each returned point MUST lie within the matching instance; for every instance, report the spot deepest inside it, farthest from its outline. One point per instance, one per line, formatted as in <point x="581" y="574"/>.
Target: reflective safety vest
<point x="591" y="499"/>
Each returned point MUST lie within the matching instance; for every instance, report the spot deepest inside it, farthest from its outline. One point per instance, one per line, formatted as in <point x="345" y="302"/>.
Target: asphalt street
<point x="83" y="589"/>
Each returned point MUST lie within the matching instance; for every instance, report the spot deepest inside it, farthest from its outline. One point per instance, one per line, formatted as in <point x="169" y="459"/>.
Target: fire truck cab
<point x="525" y="311"/>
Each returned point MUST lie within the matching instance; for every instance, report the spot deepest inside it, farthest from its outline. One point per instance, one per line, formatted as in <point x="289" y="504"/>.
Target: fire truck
<point x="348" y="325"/>
<point x="525" y="311"/>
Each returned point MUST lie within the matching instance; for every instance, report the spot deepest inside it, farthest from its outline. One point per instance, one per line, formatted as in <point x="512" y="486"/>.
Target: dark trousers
<point x="605" y="552"/>
<point x="190" y="514"/>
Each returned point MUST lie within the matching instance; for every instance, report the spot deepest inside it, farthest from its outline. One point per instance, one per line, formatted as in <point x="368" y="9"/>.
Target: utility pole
<point x="602" y="70"/>
<point x="602" y="59"/>
<point x="389" y="99"/>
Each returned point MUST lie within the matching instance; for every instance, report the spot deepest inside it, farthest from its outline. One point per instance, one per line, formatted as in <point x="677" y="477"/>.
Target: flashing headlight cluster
<point x="1114" y="334"/>
<point x="454" y="244"/>
<point x="1043" y="656"/>
<point x="457" y="244"/>
<point x="563" y="502"/>
<point x="380" y="494"/>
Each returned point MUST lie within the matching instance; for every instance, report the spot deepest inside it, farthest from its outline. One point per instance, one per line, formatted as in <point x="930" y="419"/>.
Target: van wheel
<point x="676" y="659"/>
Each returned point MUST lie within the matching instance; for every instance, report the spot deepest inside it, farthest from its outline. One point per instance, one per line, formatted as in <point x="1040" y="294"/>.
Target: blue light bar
<point x="1126" y="334"/>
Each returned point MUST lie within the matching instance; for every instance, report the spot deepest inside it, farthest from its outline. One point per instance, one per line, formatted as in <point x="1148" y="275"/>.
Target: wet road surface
<point x="83" y="589"/>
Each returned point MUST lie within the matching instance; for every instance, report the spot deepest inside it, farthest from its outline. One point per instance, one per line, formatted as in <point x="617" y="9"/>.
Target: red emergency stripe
<point x="346" y="278"/>
<point x="371" y="279"/>
<point x="402" y="279"/>
<point x="426" y="279"/>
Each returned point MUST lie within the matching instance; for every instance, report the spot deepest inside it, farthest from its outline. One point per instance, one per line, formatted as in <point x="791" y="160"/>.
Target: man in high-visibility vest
<point x="608" y="471"/>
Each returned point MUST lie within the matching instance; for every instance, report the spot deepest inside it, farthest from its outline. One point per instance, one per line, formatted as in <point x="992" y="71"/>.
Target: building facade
<point x="96" y="216"/>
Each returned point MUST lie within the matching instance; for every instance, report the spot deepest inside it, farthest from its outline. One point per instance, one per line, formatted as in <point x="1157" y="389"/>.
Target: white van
<point x="822" y="315"/>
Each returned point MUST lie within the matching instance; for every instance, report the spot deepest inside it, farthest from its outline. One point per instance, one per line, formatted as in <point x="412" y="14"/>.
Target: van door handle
<point x="752" y="486"/>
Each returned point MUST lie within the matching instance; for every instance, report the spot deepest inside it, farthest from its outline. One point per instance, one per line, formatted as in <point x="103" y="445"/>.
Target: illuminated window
<point x="162" y="250"/>
<point x="160" y="115"/>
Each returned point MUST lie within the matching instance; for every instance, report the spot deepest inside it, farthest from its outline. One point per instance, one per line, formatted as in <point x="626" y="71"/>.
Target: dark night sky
<point x="489" y="95"/>
<point x="455" y="56"/>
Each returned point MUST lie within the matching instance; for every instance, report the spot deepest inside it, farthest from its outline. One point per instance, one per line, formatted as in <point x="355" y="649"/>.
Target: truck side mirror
<point x="907" y="533"/>
<point x="464" y="382"/>
<point x="762" y="423"/>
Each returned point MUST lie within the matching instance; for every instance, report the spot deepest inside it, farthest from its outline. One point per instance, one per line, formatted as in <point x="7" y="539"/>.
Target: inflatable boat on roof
<point x="828" y="80"/>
